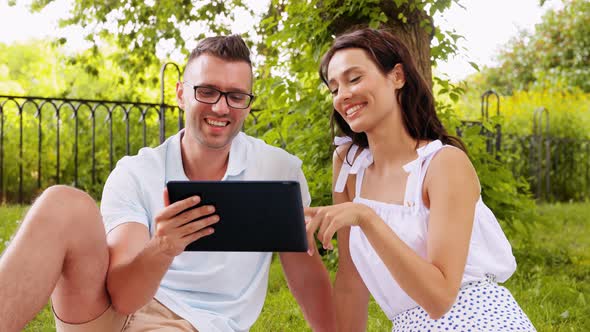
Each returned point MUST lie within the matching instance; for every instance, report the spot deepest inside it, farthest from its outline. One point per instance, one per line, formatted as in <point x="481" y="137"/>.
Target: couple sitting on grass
<point x="412" y="229"/>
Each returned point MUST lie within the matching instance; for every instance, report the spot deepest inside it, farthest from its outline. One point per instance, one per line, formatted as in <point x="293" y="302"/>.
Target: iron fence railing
<point x="45" y="141"/>
<point x="33" y="128"/>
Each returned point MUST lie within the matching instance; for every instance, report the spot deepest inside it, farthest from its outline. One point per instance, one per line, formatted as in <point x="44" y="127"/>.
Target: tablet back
<point x="254" y="215"/>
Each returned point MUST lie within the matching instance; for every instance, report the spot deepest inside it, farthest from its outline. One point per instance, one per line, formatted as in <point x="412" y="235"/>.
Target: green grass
<point x="552" y="282"/>
<point x="281" y="312"/>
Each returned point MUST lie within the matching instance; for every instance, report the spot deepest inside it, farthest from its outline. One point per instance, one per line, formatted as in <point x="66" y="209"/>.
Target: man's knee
<point x="67" y="199"/>
<point x="66" y="193"/>
<point x="61" y="205"/>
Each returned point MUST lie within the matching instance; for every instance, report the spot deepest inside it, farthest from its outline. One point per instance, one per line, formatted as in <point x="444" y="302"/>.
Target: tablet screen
<point x="254" y="215"/>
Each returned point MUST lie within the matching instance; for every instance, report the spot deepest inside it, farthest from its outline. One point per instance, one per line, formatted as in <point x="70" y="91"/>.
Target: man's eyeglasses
<point x="209" y="95"/>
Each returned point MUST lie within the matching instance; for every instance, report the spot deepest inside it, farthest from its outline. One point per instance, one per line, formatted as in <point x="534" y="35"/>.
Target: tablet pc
<point x="254" y="215"/>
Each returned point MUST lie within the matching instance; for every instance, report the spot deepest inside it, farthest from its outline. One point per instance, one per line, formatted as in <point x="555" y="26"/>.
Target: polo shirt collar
<point x="238" y="158"/>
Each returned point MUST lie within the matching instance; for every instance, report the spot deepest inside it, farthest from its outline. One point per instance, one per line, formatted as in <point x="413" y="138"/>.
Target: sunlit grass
<point x="551" y="284"/>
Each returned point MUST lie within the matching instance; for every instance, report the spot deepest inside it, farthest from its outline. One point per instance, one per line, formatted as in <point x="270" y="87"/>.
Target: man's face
<point x="213" y="125"/>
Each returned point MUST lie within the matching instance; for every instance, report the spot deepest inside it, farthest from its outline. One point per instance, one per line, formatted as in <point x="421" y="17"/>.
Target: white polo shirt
<point x="214" y="291"/>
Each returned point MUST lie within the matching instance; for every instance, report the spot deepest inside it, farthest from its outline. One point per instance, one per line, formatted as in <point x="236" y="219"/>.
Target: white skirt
<point x="481" y="306"/>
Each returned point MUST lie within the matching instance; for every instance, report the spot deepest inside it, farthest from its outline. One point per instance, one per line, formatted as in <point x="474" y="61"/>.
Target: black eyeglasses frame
<point x="221" y="93"/>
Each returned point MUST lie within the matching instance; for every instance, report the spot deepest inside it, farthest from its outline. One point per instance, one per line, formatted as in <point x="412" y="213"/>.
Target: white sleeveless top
<point x="489" y="253"/>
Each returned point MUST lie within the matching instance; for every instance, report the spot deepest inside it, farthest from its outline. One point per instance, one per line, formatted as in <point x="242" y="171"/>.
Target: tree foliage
<point x="140" y="26"/>
<point x="289" y="40"/>
<point x="45" y="69"/>
<point x="556" y="54"/>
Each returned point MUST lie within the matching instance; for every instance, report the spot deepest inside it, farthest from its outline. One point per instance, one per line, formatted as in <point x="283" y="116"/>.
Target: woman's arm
<point x="452" y="190"/>
<point x="351" y="297"/>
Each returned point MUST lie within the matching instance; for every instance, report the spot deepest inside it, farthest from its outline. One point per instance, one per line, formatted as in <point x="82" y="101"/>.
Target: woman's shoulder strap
<point x="352" y="162"/>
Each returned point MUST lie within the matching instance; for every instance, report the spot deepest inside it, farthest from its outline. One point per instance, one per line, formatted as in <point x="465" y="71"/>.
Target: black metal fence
<point x="556" y="168"/>
<point x="45" y="141"/>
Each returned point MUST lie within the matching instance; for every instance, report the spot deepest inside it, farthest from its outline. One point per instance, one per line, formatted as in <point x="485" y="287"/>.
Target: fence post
<point x="542" y="141"/>
<point x="2" y="192"/>
<point x="20" y="154"/>
<point x="76" y="125"/>
<point x="111" y="152"/>
<point x="57" y="126"/>
<point x="162" y="101"/>
<point x="485" y="105"/>
<point x="40" y="145"/>
<point x="587" y="167"/>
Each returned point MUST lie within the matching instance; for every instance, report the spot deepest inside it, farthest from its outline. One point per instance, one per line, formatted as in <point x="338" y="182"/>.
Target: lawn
<point x="552" y="283"/>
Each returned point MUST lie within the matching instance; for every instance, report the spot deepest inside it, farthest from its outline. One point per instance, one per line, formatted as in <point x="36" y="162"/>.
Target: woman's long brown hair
<point x="415" y="97"/>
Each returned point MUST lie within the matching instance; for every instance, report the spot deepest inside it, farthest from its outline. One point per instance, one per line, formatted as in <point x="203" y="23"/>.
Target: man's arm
<point x="138" y="263"/>
<point x="308" y="279"/>
<point x="309" y="282"/>
<point x="136" y="267"/>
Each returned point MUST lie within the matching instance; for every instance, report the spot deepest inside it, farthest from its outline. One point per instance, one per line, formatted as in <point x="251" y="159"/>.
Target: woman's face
<point x="361" y="93"/>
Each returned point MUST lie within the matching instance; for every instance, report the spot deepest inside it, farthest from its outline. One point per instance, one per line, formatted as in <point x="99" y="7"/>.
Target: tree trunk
<point x="416" y="38"/>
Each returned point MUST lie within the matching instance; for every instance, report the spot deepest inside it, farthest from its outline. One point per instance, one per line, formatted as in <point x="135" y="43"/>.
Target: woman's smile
<point x="353" y="110"/>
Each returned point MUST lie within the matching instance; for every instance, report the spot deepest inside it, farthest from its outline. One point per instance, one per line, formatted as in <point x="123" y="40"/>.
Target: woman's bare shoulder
<point x="341" y="152"/>
<point x="452" y="166"/>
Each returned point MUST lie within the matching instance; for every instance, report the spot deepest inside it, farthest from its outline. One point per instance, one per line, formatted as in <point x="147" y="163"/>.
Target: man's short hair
<point x="229" y="48"/>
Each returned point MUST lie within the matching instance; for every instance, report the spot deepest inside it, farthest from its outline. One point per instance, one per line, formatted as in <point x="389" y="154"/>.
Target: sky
<point x="485" y="24"/>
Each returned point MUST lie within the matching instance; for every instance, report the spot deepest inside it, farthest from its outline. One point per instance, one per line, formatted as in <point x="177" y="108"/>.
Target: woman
<point x="412" y="228"/>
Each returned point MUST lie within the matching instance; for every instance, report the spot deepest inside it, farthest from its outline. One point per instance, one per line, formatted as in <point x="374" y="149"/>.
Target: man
<point x="138" y="276"/>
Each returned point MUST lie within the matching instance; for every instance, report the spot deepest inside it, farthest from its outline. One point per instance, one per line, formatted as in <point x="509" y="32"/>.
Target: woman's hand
<point x="326" y="220"/>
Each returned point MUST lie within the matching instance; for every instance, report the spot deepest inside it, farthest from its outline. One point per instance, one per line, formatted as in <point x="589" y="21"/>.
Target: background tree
<point x="44" y="68"/>
<point x="548" y="68"/>
<point x="556" y="54"/>
<point x="140" y="27"/>
<point x="295" y="35"/>
<point x="289" y="40"/>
